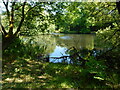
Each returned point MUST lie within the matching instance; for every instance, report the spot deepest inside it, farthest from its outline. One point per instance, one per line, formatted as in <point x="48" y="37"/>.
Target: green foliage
<point x="109" y="36"/>
<point x="86" y="17"/>
<point x="97" y="67"/>
<point x="21" y="68"/>
<point x="22" y="48"/>
<point x="34" y="74"/>
<point x="28" y="72"/>
<point x="72" y="17"/>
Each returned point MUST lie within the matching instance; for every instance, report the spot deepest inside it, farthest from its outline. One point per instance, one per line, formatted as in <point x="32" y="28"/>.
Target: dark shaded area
<point x="118" y="5"/>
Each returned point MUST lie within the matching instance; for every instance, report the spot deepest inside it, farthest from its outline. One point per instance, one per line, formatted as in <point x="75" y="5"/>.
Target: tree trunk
<point x="7" y="40"/>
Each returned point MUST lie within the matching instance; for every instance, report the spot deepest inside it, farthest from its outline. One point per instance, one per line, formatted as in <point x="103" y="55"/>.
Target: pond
<point x="57" y="44"/>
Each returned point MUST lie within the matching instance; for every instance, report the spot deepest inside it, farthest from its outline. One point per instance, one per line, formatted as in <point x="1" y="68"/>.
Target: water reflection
<point x="76" y="40"/>
<point x="57" y="44"/>
<point x="58" y="52"/>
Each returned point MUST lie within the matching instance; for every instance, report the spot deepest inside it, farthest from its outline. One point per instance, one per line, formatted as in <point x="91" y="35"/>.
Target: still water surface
<point x="57" y="44"/>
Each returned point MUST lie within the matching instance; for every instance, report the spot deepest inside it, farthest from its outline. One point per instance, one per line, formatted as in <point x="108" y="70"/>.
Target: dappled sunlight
<point x="29" y="74"/>
<point x="60" y="45"/>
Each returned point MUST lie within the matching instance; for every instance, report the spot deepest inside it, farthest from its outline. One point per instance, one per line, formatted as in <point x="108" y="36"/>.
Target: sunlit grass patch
<point x="34" y="74"/>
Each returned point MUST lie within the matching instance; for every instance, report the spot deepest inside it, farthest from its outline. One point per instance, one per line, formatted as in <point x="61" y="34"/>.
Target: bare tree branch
<point x="22" y="19"/>
<point x="2" y="28"/>
<point x="12" y="18"/>
<point x="6" y="6"/>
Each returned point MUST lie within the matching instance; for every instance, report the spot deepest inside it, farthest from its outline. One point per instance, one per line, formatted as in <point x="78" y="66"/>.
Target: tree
<point x="20" y="16"/>
<point x="79" y="17"/>
<point x="84" y="17"/>
<point x="9" y="36"/>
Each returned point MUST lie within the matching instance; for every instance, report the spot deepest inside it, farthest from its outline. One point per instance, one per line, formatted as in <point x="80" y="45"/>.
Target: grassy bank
<point x="34" y="74"/>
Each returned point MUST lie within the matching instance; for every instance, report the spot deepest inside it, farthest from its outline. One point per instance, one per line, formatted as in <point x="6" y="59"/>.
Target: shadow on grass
<point x="26" y="73"/>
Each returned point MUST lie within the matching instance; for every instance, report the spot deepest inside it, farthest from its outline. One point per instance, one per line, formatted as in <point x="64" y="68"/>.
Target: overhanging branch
<point x="31" y="9"/>
<point x="22" y="18"/>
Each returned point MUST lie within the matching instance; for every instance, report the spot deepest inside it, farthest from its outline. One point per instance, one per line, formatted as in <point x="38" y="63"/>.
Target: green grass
<point x="34" y="74"/>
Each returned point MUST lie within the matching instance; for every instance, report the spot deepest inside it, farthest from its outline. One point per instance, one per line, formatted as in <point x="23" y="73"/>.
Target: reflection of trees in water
<point x="47" y="41"/>
<point x="78" y="41"/>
